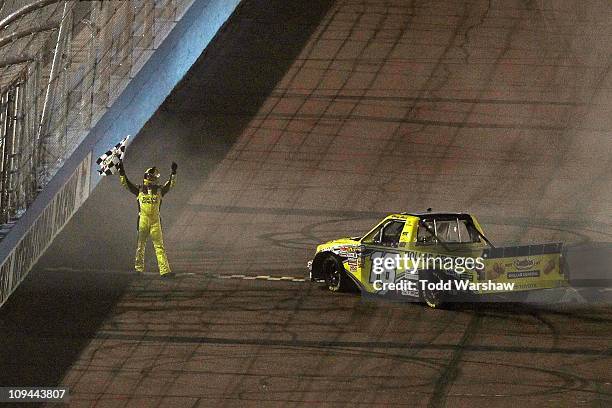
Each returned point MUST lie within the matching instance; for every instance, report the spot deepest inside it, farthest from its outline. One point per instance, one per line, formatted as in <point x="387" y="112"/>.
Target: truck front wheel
<point x="335" y="275"/>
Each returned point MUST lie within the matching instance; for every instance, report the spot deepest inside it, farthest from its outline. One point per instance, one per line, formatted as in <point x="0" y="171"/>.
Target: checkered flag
<point x="110" y="160"/>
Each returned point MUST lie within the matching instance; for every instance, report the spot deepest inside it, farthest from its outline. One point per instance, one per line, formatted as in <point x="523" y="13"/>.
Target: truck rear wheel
<point x="432" y="297"/>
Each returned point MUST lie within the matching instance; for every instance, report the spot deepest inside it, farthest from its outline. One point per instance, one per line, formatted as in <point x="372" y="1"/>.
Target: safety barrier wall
<point x="49" y="222"/>
<point x="71" y="185"/>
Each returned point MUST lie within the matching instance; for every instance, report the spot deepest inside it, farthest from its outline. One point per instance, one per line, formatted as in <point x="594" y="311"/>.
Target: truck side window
<point x="473" y="233"/>
<point x="457" y="230"/>
<point x="391" y="233"/>
<point x="424" y="236"/>
<point x="449" y="231"/>
<point x="446" y="232"/>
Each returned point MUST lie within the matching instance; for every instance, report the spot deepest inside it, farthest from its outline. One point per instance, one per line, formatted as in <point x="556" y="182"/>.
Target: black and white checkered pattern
<point x="109" y="161"/>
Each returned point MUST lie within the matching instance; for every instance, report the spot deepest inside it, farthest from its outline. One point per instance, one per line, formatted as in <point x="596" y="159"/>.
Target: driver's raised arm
<point x="125" y="182"/>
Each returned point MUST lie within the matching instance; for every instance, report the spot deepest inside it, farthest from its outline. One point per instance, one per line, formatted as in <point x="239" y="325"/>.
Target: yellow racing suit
<point x="149" y="197"/>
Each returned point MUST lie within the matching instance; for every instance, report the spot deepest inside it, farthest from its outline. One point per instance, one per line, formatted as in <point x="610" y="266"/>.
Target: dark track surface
<point x="305" y="122"/>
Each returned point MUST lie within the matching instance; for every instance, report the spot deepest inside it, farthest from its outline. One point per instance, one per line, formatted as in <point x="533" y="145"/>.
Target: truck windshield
<point x="387" y="234"/>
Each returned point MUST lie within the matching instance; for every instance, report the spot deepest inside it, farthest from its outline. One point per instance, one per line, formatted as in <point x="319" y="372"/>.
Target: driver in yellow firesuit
<point x="149" y="196"/>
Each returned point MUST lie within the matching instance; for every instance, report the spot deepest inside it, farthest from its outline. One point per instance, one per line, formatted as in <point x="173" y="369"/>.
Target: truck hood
<point x="336" y="243"/>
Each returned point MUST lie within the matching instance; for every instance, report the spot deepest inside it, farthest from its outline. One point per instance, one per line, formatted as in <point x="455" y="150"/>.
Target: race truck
<point x="432" y="257"/>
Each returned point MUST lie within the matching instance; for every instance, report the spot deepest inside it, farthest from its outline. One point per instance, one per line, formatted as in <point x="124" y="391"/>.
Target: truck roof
<point x="437" y="214"/>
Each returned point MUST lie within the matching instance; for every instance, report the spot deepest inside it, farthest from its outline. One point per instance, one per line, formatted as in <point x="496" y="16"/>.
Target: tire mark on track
<point x="461" y="347"/>
<point x="451" y="372"/>
<point x="570" y="382"/>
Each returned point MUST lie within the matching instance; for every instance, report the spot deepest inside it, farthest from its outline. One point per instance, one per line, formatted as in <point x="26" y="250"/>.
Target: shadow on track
<point x="53" y="315"/>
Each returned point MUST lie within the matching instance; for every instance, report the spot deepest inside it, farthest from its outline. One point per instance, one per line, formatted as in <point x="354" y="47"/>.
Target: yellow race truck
<point x="433" y="257"/>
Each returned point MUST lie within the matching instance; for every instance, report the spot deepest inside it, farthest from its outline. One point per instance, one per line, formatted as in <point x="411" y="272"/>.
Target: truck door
<point x="383" y="243"/>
